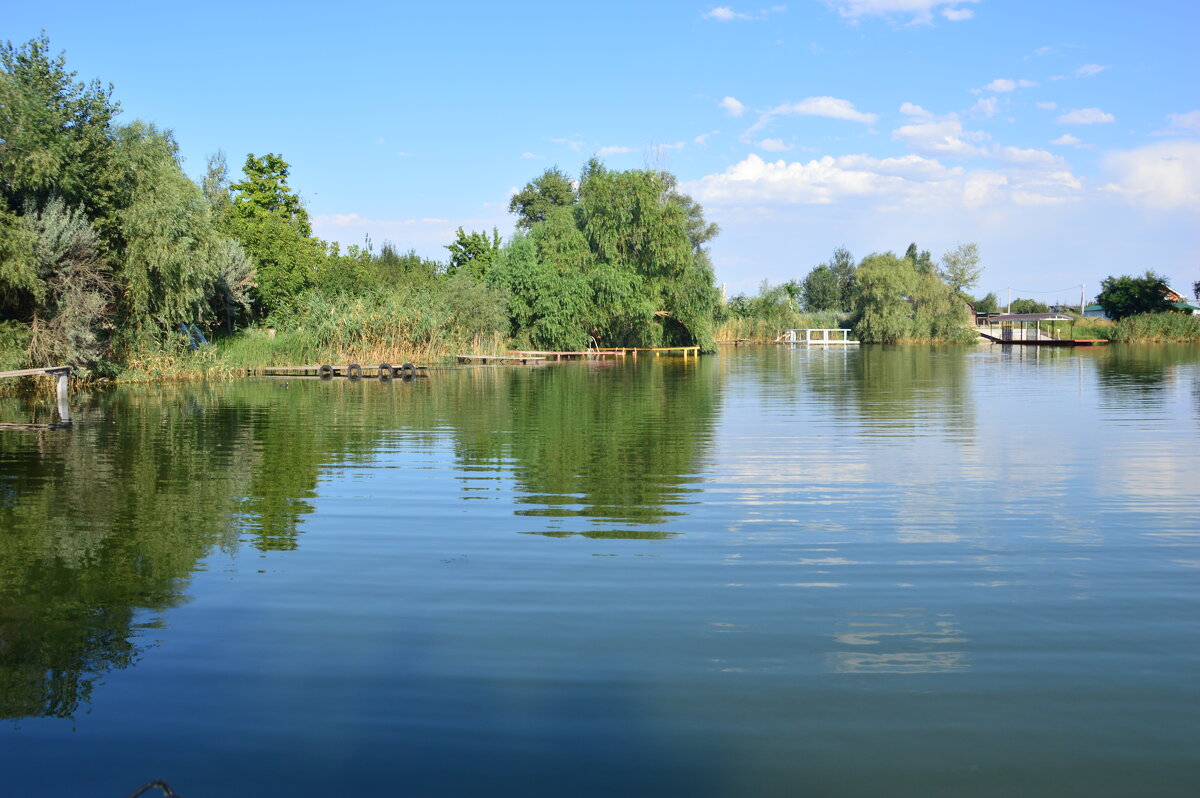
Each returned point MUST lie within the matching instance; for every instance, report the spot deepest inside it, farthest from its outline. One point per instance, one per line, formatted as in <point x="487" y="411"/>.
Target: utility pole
<point x="1082" y="299"/>
<point x="1008" y="309"/>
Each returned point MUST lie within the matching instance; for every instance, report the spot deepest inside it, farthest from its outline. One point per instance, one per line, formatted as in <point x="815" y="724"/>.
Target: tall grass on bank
<point x="765" y="329"/>
<point x="1145" y="328"/>
<point x="1158" y="327"/>
<point x="418" y="322"/>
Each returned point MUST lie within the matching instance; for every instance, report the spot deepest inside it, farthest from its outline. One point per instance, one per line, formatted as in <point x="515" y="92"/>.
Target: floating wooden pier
<point x="686" y="351"/>
<point x="552" y="355"/>
<point x="353" y="371"/>
<point x="817" y="336"/>
<point x="63" y="373"/>
<point x="512" y="357"/>
<point x="1014" y="328"/>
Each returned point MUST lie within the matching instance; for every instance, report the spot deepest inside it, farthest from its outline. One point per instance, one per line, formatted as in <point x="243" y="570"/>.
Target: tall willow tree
<point x="624" y="262"/>
<point x="884" y="284"/>
<point x="169" y="259"/>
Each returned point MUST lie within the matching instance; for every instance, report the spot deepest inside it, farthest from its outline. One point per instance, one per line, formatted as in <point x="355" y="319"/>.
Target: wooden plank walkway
<point x="597" y="353"/>
<point x="513" y="357"/>
<point x="363" y="371"/>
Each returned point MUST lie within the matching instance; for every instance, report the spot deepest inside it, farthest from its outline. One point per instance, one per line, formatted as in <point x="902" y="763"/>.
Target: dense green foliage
<point x="904" y="299"/>
<point x="960" y="268"/>
<point x="105" y="244"/>
<point x="988" y="304"/>
<point x="619" y="262"/>
<point x="1170" y="326"/>
<point x="1028" y="306"/>
<point x="1128" y="296"/>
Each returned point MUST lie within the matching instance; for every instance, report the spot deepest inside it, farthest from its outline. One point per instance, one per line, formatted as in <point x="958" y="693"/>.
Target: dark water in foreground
<point x="891" y="572"/>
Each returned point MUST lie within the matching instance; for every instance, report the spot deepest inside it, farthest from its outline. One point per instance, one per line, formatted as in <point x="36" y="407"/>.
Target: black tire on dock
<point x="325" y="372"/>
<point x="386" y="372"/>
<point x="354" y="372"/>
<point x="408" y="371"/>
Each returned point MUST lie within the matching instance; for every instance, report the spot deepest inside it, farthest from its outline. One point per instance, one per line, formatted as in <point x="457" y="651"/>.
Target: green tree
<point x="922" y="261"/>
<point x="624" y="265"/>
<point x="1128" y="296"/>
<point x="961" y="269"/>
<point x="1028" y="306"/>
<point x="472" y="253"/>
<point x="989" y="304"/>
<point x="842" y="264"/>
<point x="270" y="222"/>
<point x="73" y="289"/>
<point x="884" y="282"/>
<point x="821" y="291"/>
<point x="167" y="265"/>
<point x="553" y="189"/>
<point x="55" y="133"/>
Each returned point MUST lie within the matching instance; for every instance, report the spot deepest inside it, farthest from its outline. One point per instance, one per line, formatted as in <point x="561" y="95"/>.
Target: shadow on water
<point x="101" y="526"/>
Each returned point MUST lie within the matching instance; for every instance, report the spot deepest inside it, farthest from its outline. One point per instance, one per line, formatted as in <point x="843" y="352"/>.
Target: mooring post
<point x="64" y="413"/>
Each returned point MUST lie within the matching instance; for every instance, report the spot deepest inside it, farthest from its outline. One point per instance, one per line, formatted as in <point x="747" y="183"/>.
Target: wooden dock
<point x="1025" y="329"/>
<point x="817" y="336"/>
<point x="512" y="357"/>
<point x="63" y="374"/>
<point x="555" y="355"/>
<point x="352" y="371"/>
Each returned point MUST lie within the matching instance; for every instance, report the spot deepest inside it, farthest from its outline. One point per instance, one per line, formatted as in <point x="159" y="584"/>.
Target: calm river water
<point x="887" y="572"/>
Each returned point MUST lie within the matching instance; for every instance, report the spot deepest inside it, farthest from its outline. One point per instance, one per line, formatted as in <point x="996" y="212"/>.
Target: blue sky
<point x="1062" y="137"/>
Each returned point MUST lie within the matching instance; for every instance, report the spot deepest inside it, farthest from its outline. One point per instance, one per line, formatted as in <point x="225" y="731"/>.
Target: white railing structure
<point x="816" y="337"/>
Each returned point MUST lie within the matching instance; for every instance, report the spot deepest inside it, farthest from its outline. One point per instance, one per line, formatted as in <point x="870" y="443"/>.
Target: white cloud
<point x="1086" y="116"/>
<point x="1067" y="140"/>
<point x="914" y="11"/>
<point x="702" y="139"/>
<point x="831" y="107"/>
<point x="724" y="14"/>
<point x="1029" y="158"/>
<point x="604" y="152"/>
<point x="732" y="106"/>
<point x="679" y="145"/>
<point x="1003" y="85"/>
<point x="774" y="145"/>
<point x="1034" y="178"/>
<point x="985" y="106"/>
<point x="1181" y="125"/>
<point x="727" y="14"/>
<point x="530" y="156"/>
<point x="1085" y="71"/>
<point x="575" y="143"/>
<point x="943" y="136"/>
<point x="1164" y="175"/>
<point x="909" y="109"/>
<point x="1046" y="105"/>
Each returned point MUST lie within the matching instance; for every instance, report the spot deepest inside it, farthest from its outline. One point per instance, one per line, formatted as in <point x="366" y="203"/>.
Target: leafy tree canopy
<point x="1028" y="306"/>
<point x="1128" y="296"/>
<point x="622" y="264"/>
<point x="472" y="253"/>
<point x="553" y="189"/>
<point x="961" y="269"/>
